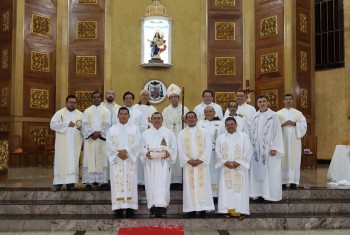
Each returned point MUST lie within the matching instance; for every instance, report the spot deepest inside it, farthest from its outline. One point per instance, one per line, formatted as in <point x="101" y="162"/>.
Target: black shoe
<point x="152" y="216"/>
<point x="293" y="186"/>
<point x="202" y="214"/>
<point x="118" y="214"/>
<point x="70" y="187"/>
<point x="105" y="187"/>
<point x="191" y="214"/>
<point x="88" y="187"/>
<point x="162" y="216"/>
<point x="56" y="187"/>
<point x="130" y="214"/>
<point x="284" y="186"/>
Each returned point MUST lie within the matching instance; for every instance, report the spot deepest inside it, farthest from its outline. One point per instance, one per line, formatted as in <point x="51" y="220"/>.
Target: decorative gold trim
<point x="269" y="62"/>
<point x="4" y="127"/>
<point x="225" y="31"/>
<point x="303" y="25"/>
<point x="86" y="65"/>
<point x="6" y="21"/>
<point x="5" y="59"/>
<point x="303" y="61"/>
<point x="272" y="95"/>
<point x="88" y="2"/>
<point x="3" y="97"/>
<point x="84" y="99"/>
<point x="225" y="66"/>
<point x="4" y="154"/>
<point x="304" y="99"/>
<point x="39" y="133"/>
<point x="40" y="61"/>
<point x="225" y="3"/>
<point x="41" y="25"/>
<point x="39" y="98"/>
<point x="222" y="98"/>
<point x="268" y="26"/>
<point x="86" y="29"/>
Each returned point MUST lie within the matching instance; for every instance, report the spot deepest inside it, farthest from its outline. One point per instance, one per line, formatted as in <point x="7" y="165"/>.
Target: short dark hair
<point x="96" y="92"/>
<point x="189" y="112"/>
<point x="71" y="96"/>
<point x="207" y="91"/>
<point x="155" y="114"/>
<point x="228" y="103"/>
<point x="128" y="93"/>
<point x="262" y="97"/>
<point x="288" y="95"/>
<point x="229" y="119"/>
<point x="123" y="108"/>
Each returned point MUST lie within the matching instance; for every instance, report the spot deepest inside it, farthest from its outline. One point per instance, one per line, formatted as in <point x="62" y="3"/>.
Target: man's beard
<point x="110" y="99"/>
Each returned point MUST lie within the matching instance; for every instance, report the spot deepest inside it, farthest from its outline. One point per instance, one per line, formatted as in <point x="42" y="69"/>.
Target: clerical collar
<point x="263" y="111"/>
<point x="233" y="115"/>
<point x="214" y="119"/>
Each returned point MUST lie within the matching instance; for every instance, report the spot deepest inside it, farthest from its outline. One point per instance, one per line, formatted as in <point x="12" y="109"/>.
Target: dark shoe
<point x="227" y="215"/>
<point x="284" y="186"/>
<point x="202" y="214"/>
<point x="162" y="216"/>
<point x="293" y="186"/>
<point x="118" y="214"/>
<point x="105" y="187"/>
<point x="88" y="187"/>
<point x="70" y="187"/>
<point x="191" y="214"/>
<point x="55" y="189"/>
<point x="152" y="216"/>
<point x="130" y="214"/>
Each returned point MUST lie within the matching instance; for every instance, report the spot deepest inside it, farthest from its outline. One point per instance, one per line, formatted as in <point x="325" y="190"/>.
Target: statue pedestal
<point x="155" y="61"/>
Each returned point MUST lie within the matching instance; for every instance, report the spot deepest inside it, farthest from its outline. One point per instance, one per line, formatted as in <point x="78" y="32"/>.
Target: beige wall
<point x="188" y="55"/>
<point x="332" y="101"/>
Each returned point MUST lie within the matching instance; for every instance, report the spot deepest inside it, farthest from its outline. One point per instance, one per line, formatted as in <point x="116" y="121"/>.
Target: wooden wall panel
<point x="225" y="46"/>
<point x="86" y="49"/>
<point x="39" y="67"/>
<point x="33" y="135"/>
<point x="269" y="51"/>
<point x="6" y="25"/>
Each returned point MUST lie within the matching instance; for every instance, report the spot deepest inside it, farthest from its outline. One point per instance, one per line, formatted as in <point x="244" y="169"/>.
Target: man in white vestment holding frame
<point x="122" y="150"/>
<point x="96" y="121"/>
<point x="159" y="152"/>
<point x="172" y="116"/>
<point x="294" y="127"/>
<point x="68" y="142"/>
<point x="194" y="149"/>
<point x="267" y="140"/>
<point x="233" y="155"/>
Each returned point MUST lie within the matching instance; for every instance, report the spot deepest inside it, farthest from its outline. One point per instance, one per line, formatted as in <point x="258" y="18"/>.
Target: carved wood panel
<point x="86" y="47"/>
<point x="33" y="135"/>
<point x="5" y="101"/>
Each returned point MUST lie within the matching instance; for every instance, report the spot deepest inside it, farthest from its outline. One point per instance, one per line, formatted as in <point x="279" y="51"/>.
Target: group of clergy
<point x="236" y="155"/>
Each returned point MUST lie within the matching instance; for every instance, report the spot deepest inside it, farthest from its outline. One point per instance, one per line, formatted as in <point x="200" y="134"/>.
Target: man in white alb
<point x="173" y="120"/>
<point x="294" y="127"/>
<point x="122" y="150"/>
<point x="214" y="127"/>
<point x="145" y="106"/>
<point x="232" y="107"/>
<point x="109" y="103"/>
<point x="67" y="124"/>
<point x="96" y="121"/>
<point x="267" y="140"/>
<point x="194" y="149"/>
<point x="207" y="100"/>
<point x="233" y="155"/>
<point x="159" y="152"/>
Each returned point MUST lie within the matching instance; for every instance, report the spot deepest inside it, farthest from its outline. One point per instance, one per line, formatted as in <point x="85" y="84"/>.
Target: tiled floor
<point x="38" y="177"/>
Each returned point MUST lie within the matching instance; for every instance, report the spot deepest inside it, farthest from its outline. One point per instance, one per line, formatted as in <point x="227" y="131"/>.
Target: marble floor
<point x="38" y="177"/>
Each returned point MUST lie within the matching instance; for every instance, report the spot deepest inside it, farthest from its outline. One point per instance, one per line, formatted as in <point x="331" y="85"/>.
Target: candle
<point x="246" y="84"/>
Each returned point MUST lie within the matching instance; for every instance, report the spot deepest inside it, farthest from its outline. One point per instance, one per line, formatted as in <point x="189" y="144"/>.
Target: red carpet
<point x="173" y="230"/>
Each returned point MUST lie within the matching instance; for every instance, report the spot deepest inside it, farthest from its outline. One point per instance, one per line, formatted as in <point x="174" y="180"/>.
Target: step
<point x="98" y="222"/>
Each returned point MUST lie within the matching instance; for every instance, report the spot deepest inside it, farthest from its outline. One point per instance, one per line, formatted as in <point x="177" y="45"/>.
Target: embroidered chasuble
<point x="123" y="173"/>
<point x="194" y="143"/>
<point x="233" y="183"/>
<point x="265" y="173"/>
<point x="68" y="143"/>
<point x="158" y="170"/>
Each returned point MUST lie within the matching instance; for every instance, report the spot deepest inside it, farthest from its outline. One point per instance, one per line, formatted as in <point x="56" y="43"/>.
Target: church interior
<point x="54" y="48"/>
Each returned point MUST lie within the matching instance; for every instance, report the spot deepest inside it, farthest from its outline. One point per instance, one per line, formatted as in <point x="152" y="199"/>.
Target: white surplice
<point x="68" y="143"/>
<point x="158" y="170"/>
<point x="292" y="144"/>
<point x="266" y="171"/>
<point x="95" y="164"/>
<point x="199" y="110"/>
<point x="147" y="112"/>
<point x="113" y="108"/>
<point x="214" y="128"/>
<point x="172" y="120"/>
<point x="123" y="173"/>
<point x="194" y="143"/>
<point x="233" y="183"/>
